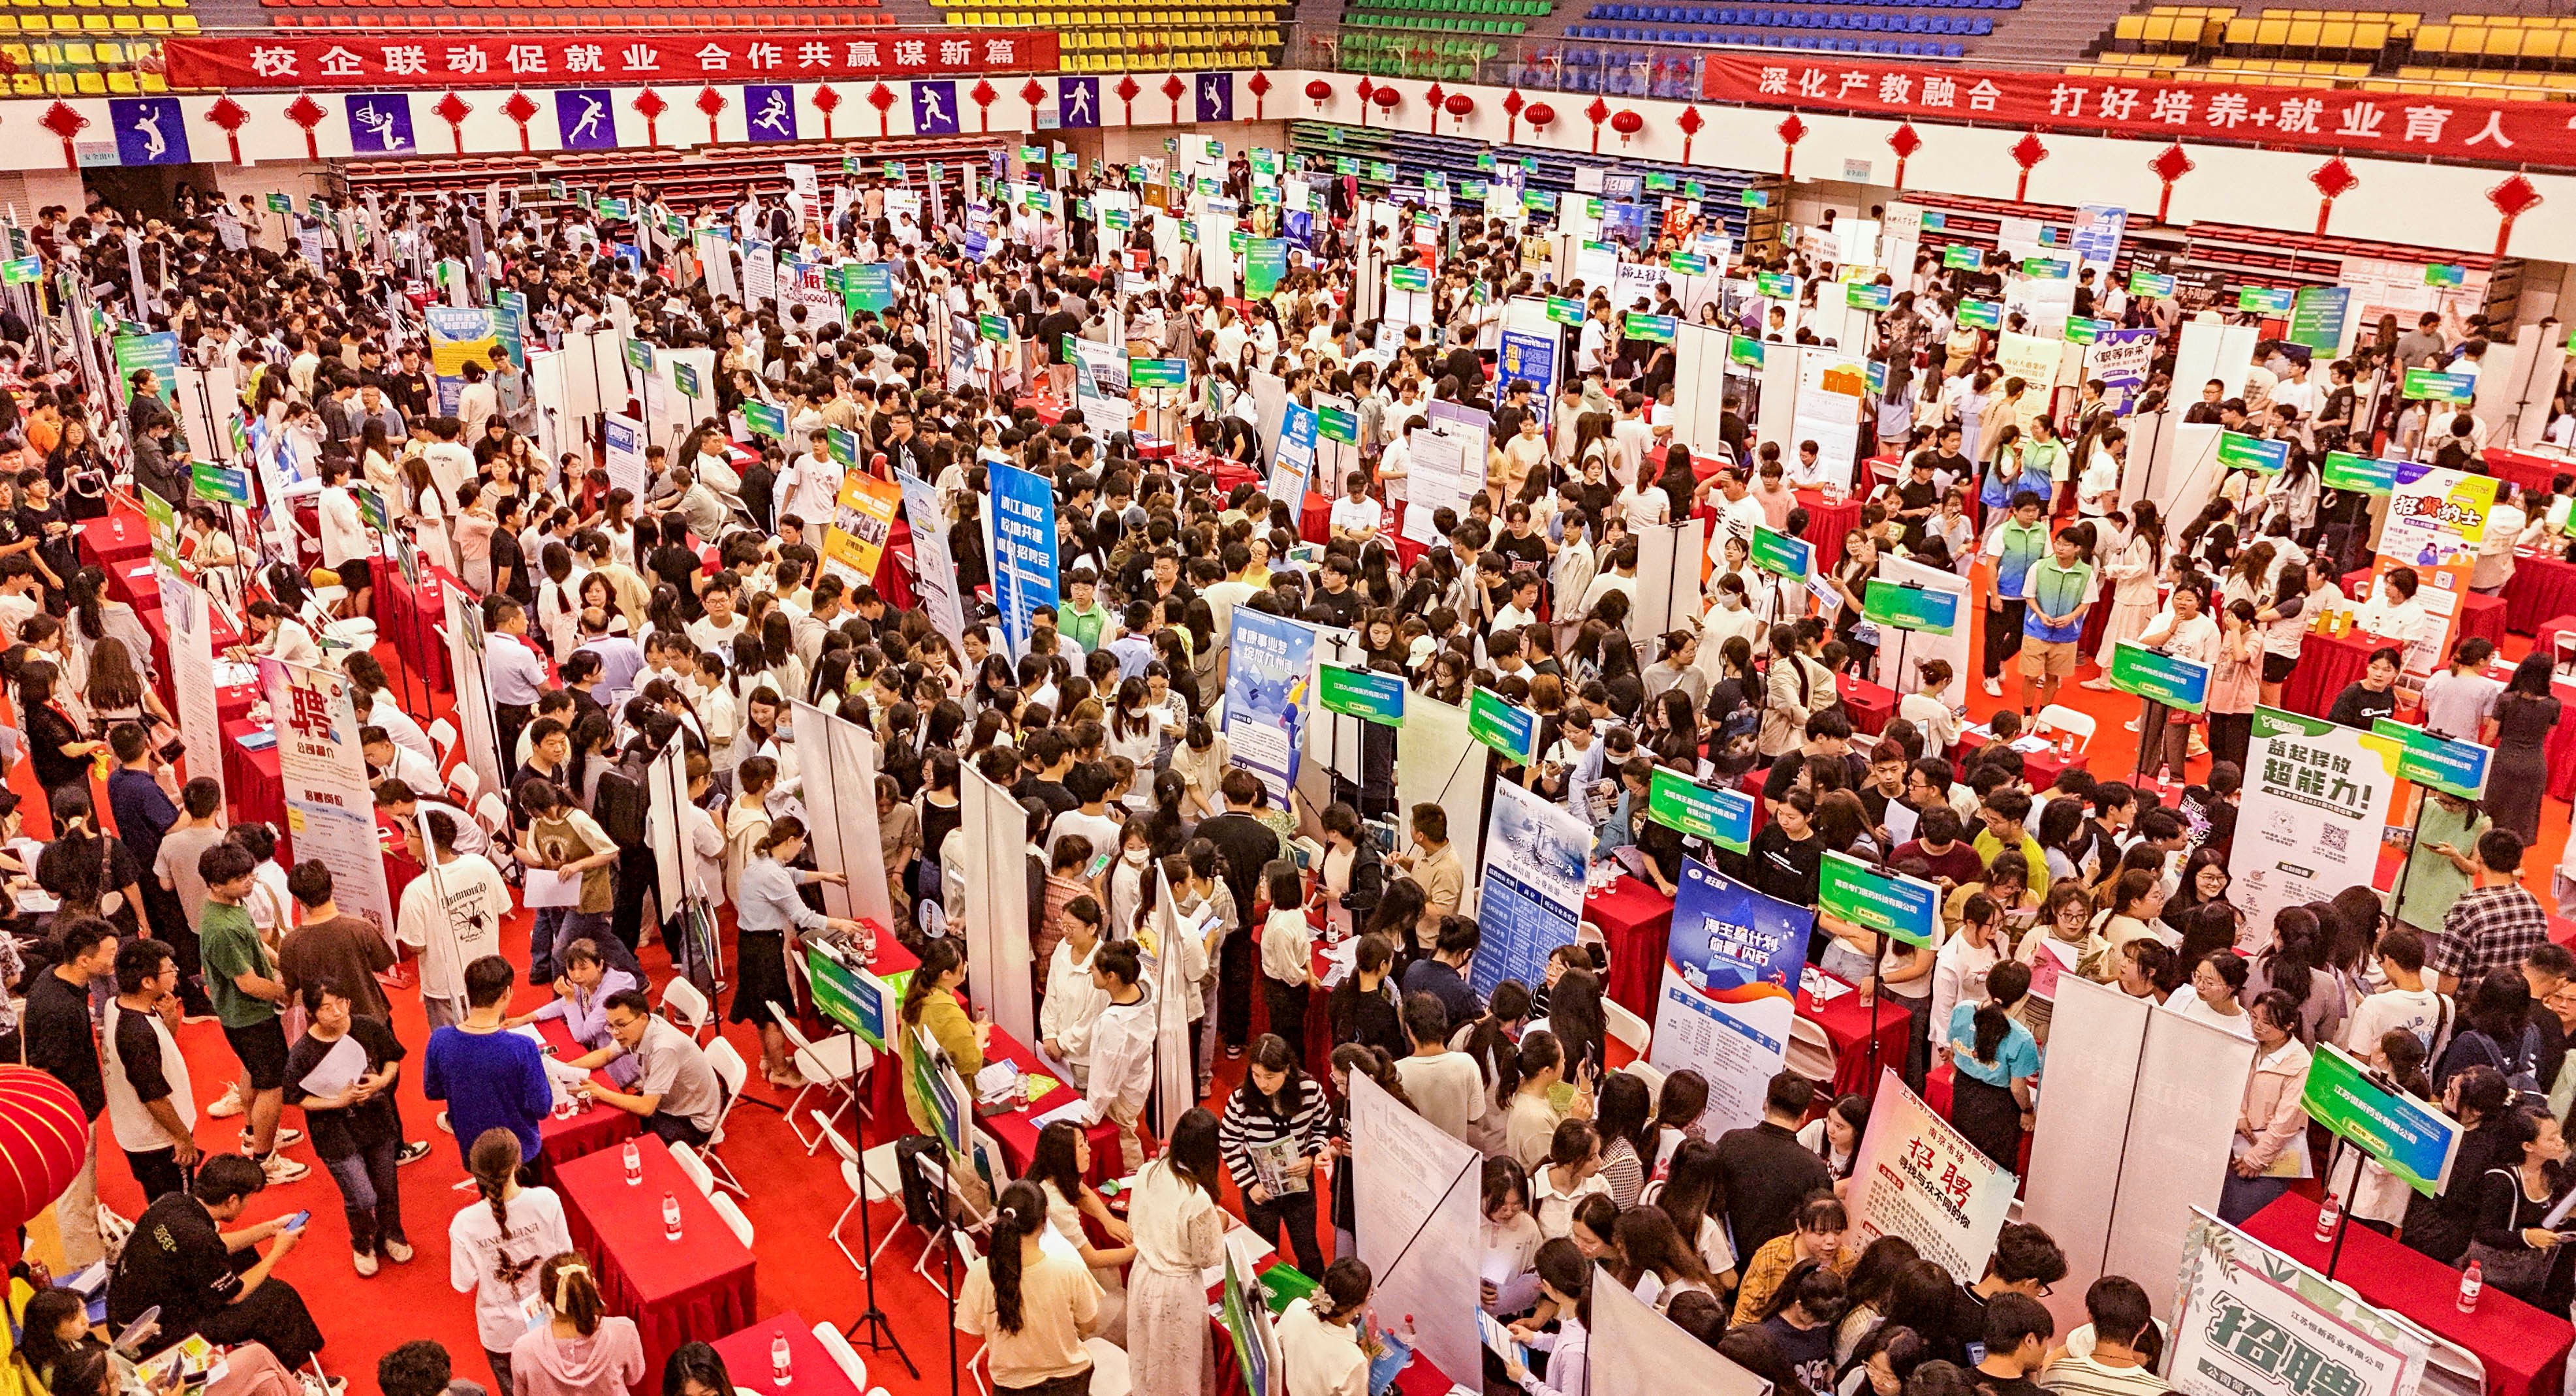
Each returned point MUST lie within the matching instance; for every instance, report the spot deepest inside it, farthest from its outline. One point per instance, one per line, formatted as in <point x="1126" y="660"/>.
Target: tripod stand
<point x="871" y="1327"/>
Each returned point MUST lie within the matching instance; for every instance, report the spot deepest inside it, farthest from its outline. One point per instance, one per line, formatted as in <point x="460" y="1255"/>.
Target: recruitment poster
<point x="1531" y="897"/>
<point x="935" y="572"/>
<point x="1292" y="470"/>
<point x="330" y="809"/>
<point x="625" y="453"/>
<point x="2252" y="1319"/>
<point x="1418" y="1223"/>
<point x="1729" y="991"/>
<point x="188" y="611"/>
<point x="1023" y="551"/>
<point x="458" y="335"/>
<point x="2316" y="799"/>
<point x="862" y="520"/>
<point x="1918" y="1178"/>
<point x="1270" y="662"/>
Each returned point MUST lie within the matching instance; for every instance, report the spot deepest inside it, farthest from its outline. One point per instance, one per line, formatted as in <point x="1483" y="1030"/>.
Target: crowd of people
<point x="692" y="611"/>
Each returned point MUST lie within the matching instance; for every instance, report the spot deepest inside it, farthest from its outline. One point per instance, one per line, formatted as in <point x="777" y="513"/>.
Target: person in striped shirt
<point x="2119" y="1358"/>
<point x="1271" y="1134"/>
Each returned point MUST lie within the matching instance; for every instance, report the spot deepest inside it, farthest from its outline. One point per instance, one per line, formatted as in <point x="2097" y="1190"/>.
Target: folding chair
<point x="852" y="1365"/>
<point x="685" y="1006"/>
<point x="734" y="1073"/>
<point x="442" y="735"/>
<point x="733" y="1217"/>
<point x="883" y="1174"/>
<point x="834" y="1065"/>
<point x="695" y="1167"/>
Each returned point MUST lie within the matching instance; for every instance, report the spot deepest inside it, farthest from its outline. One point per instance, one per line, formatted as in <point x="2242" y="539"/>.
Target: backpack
<point x="622" y="802"/>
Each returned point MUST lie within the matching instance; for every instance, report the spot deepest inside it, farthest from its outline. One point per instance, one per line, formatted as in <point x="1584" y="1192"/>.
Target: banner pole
<point x="2414" y="830"/>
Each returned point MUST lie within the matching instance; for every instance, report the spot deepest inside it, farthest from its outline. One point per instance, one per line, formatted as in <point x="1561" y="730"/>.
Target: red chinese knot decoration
<point x="1597" y="113"/>
<point x="2027" y="153"/>
<point x="229" y="117"/>
<point x="882" y="98"/>
<point x="303" y="111"/>
<point x="2512" y="199"/>
<point x="827" y="100"/>
<point x="1791" y="131"/>
<point x="2169" y="166"/>
<point x="983" y="95"/>
<point x="1690" y="121"/>
<point x="521" y="109"/>
<point x="1512" y="105"/>
<point x="1904" y="140"/>
<point x="712" y="103"/>
<point x="453" y="110"/>
<point x="1260" y="86"/>
<point x="1127" y="91"/>
<point x="1173" y="90"/>
<point x="2333" y="180"/>
<point x="650" y="105"/>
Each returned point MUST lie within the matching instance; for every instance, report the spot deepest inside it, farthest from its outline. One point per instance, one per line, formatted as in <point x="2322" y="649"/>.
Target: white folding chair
<point x="734" y="1073"/>
<point x="1652" y="1075"/>
<point x="2057" y="717"/>
<point x="852" y="1366"/>
<point x="1111" y="1374"/>
<point x="695" y="1167"/>
<point x="466" y="784"/>
<point x="493" y="814"/>
<point x="1625" y="1025"/>
<point x="833" y="1065"/>
<point x="442" y="735"/>
<point x="1811" y="1053"/>
<point x="967" y="1220"/>
<point x="733" y="1217"/>
<point x="685" y="1006"/>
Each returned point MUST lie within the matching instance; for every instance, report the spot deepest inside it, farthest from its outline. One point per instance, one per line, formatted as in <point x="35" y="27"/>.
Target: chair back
<point x="686" y="1005"/>
<point x="851" y="1364"/>
<point x="695" y="1167"/>
<point x="733" y="1217"/>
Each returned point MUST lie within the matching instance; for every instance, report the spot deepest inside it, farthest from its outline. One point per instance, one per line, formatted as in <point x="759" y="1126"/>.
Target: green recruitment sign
<point x="1158" y="373"/>
<point x="2169" y="679"/>
<point x="1409" y="278"/>
<point x="1910" y="607"/>
<point x="2080" y="330"/>
<point x="993" y="327"/>
<point x="22" y="271"/>
<point x="1745" y="350"/>
<point x="2439" y="274"/>
<point x="2362" y="475"/>
<point x="685" y="378"/>
<point x="1338" y="424"/>
<point x="1982" y="315"/>
<point x="843" y="446"/>
<point x="2440" y="387"/>
<point x="2239" y="450"/>
<point x="1687" y="264"/>
<point x="1775" y="285"/>
<point x="2046" y="268"/>
<point x="1961" y="257"/>
<point x="1361" y="693"/>
<point x="2266" y="300"/>
<point x="639" y="356"/>
<point x="2446" y="764"/>
<point x="281" y="203"/>
<point x="1755" y="198"/>
<point x="218" y="482"/>
<point x="1781" y="555"/>
<point x="1503" y="725"/>
<point x="1721" y="814"/>
<point x="1657" y="182"/>
<point x="2147" y="283"/>
<point x="1861" y="295"/>
<point x="853" y="999"/>
<point x="764" y="419"/>
<point x="1564" y="310"/>
<point x="1658" y="329"/>
<point x="2409" y="1137"/>
<point x="1891" y="903"/>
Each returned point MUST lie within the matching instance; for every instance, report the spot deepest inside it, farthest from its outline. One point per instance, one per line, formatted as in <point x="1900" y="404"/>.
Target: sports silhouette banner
<point x="545" y="60"/>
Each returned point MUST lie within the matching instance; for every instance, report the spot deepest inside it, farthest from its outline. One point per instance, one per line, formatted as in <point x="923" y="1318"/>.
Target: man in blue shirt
<point x="2056" y="590"/>
<point x="2016" y="544"/>
<point x="490" y="1077"/>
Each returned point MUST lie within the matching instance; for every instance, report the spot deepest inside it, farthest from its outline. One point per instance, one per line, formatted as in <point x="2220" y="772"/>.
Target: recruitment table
<point x="2481" y="617"/>
<point x="2328" y="664"/>
<point x="1869" y="705"/>
<point x="811" y="1370"/>
<point x="1017" y="1130"/>
<point x="2040" y="769"/>
<point x="2542" y="587"/>
<point x="2524" y="471"/>
<point x="674" y="1290"/>
<point x="588" y="1129"/>
<point x="2524" y="1348"/>
<point x="1826" y="525"/>
<point x="1637" y="922"/>
<point x="120" y="535"/>
<point x="414" y="621"/>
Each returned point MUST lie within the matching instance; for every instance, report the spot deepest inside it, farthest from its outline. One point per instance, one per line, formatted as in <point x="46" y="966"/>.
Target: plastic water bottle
<point x="2472" y="1280"/>
<point x="670" y="1217"/>
<point x="2328" y="1215"/>
<point x="634" y="1164"/>
<point x="782" y="1365"/>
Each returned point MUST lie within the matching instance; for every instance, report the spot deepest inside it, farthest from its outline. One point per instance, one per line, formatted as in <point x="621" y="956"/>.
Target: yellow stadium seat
<point x="2433" y="38"/>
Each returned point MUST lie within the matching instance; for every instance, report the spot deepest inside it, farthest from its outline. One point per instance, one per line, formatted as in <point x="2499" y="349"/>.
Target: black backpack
<point x="621" y="803"/>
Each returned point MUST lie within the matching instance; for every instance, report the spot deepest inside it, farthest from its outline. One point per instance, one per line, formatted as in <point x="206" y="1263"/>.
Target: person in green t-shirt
<point x="246" y="991"/>
<point x="2438" y="870"/>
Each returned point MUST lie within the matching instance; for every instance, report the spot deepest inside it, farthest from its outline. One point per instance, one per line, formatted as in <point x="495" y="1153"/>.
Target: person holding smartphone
<point x="182" y="1260"/>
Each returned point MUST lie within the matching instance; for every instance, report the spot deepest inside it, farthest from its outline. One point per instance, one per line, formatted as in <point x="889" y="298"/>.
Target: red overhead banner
<point x="2358" y="123"/>
<point x="553" y="60"/>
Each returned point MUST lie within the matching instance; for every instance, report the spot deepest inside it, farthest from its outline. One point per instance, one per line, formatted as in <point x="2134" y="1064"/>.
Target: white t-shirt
<point x="1446" y="1089"/>
<point x="2419" y="1011"/>
<point x="1356" y="515"/>
<point x="464" y="929"/>
<point x="478" y="1248"/>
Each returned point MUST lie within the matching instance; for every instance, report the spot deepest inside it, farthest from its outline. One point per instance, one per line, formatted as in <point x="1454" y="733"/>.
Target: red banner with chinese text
<point x="553" y="60"/>
<point x="2358" y="123"/>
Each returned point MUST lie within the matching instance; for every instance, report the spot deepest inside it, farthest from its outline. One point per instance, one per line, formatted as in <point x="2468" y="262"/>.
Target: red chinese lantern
<point x="1460" y="106"/>
<point x="1539" y="115"/>
<point x="1319" y="92"/>
<point x="1627" y="124"/>
<point x="42" y="1132"/>
<point x="1387" y="98"/>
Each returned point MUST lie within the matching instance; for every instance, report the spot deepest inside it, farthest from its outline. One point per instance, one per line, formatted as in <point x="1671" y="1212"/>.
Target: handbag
<point x="2520" y="1271"/>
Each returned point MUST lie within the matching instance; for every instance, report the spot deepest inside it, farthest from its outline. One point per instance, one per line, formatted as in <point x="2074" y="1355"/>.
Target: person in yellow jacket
<point x="930" y="1004"/>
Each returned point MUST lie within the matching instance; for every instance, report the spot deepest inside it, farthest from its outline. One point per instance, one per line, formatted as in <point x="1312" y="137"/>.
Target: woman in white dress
<point x="1179" y="1231"/>
<point x="2133" y="568"/>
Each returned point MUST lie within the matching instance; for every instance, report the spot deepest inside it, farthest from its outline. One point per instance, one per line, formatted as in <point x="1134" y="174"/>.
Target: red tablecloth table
<point x="1869" y="704"/>
<point x="585" y="1132"/>
<point x="1637" y="921"/>
<point x="2040" y="768"/>
<point x="1017" y="1132"/>
<point x="812" y="1370"/>
<point x="674" y="1290"/>
<point x="135" y="583"/>
<point x="1315" y="518"/>
<point x="118" y="536"/>
<point x="253" y="785"/>
<point x="2483" y="618"/>
<point x="2560" y="749"/>
<point x="1826" y="525"/>
<point x="2524" y="1348"/>
<point x="415" y="622"/>
<point x="234" y="703"/>
<point x="2328" y="664"/>
<point x="2542" y="587"/>
<point x="895" y="567"/>
<point x="157" y="625"/>
<point x="1230" y="473"/>
<point x="2525" y="472"/>
<point x="1849" y="1026"/>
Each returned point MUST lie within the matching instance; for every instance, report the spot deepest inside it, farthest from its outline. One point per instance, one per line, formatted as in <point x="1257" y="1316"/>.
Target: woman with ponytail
<point x="1997" y="1062"/>
<point x="581" y="1349"/>
<point x="1321" y="1344"/>
<point x="1032" y="1306"/>
<point x="930" y="1001"/>
<point x="1565" y="1277"/>
<point x="494" y="1244"/>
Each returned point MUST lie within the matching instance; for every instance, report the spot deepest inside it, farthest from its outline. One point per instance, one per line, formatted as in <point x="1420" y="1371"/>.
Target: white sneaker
<point x="399" y="1252"/>
<point x="284" y="1137"/>
<point x="230" y="1105"/>
<point x="281" y="1169"/>
<point x="443" y="1124"/>
<point x="365" y="1262"/>
<point x="1994" y="688"/>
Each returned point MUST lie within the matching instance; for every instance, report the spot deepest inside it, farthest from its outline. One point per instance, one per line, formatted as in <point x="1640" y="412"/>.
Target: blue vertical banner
<point x="1270" y="668"/>
<point x="1528" y="358"/>
<point x="1730" y="989"/>
<point x="1024" y="576"/>
<point x="769" y="112"/>
<point x="1294" y="467"/>
<point x="584" y="120"/>
<point x="1216" y="97"/>
<point x="149" y="130"/>
<point x="1530" y="900"/>
<point x="380" y="123"/>
<point x="1077" y="103"/>
<point x="2098" y="230"/>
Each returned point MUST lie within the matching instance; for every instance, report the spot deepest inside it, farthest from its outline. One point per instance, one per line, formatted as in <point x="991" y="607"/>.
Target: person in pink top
<point x="582" y="1350"/>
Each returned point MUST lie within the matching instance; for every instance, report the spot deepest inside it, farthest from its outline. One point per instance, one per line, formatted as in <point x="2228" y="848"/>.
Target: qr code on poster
<point x="2330" y="840"/>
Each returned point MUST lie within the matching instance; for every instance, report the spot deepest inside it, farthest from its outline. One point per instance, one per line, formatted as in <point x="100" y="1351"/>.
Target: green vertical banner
<point x="1265" y="265"/>
<point x="511" y="324"/>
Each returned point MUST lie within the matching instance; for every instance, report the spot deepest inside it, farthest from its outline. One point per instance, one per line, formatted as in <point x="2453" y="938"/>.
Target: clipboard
<point x="547" y="888"/>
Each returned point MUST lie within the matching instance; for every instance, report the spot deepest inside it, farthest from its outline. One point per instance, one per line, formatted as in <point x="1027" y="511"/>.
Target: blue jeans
<point x="370" y="1195"/>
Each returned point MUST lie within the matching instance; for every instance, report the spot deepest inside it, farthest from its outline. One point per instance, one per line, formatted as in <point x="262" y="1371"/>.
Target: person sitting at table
<point x="273" y="632"/>
<point x="2394" y="613"/>
<point x="1321" y="1353"/>
<point x="1059" y="1165"/>
<point x="2373" y="695"/>
<point x="580" y="1349"/>
<point x="205" y="546"/>
<point x="209" y="1282"/>
<point x="1032" y="1305"/>
<point x="403" y="803"/>
<point x="930" y="1004"/>
<point x="390" y="760"/>
<point x="582" y="995"/>
<point x="678" y="1095"/>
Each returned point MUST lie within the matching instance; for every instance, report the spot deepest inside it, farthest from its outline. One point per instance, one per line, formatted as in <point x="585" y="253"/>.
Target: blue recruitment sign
<point x="1293" y="469"/>
<point x="1269" y="663"/>
<point x="1529" y="358"/>
<point x="1024" y="549"/>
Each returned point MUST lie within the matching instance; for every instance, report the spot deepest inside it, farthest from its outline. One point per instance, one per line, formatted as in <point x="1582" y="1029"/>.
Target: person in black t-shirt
<point x="208" y="1281"/>
<point x="2018" y="1328"/>
<point x="2372" y="696"/>
<point x="56" y="1027"/>
<point x="1804" y="1312"/>
<point x="355" y="1131"/>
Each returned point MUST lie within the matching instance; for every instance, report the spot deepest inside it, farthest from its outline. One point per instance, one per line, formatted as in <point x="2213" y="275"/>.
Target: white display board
<point x="2316" y="799"/>
<point x="1638" y="1352"/>
<point x="1917" y="1177"/>
<point x="188" y="610"/>
<point x="1418" y="1224"/>
<point x="997" y="928"/>
<point x="838" y="761"/>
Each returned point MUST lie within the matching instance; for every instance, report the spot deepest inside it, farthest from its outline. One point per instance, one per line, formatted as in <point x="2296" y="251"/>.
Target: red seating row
<point x="569" y="18"/>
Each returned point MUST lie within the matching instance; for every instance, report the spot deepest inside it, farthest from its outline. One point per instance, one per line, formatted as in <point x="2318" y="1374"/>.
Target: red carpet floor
<point x="793" y="1196"/>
